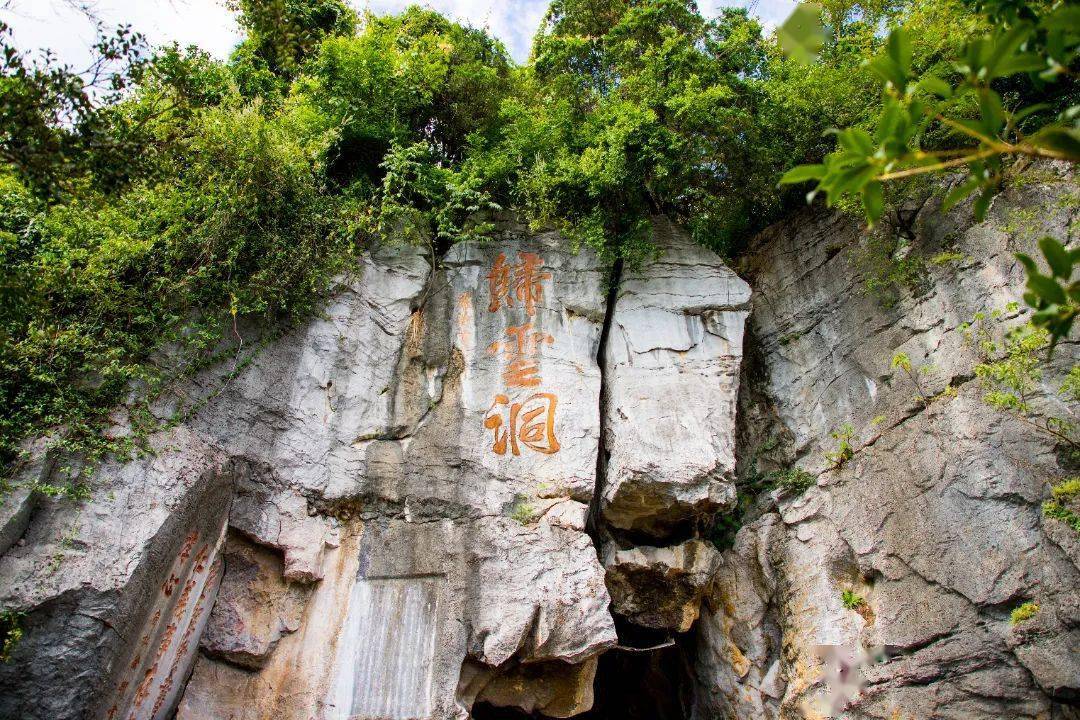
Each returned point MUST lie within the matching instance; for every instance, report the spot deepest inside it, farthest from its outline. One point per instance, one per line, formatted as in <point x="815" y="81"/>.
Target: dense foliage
<point x="1012" y="91"/>
<point x="150" y="206"/>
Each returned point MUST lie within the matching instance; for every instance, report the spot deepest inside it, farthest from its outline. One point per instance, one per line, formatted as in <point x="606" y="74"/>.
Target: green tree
<point x="51" y="115"/>
<point x="1012" y="91"/>
<point x="635" y="108"/>
<point x="282" y="34"/>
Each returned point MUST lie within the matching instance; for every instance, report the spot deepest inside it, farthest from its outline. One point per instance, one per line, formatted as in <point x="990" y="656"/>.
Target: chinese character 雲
<point x="523" y="368"/>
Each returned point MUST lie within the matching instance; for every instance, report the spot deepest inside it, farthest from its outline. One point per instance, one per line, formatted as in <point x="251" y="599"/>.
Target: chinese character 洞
<point x="522" y="369"/>
<point x="522" y="280"/>
<point x="531" y="423"/>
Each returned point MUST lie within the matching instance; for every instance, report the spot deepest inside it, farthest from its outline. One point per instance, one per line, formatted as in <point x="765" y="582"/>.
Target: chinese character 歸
<point x="522" y="280"/>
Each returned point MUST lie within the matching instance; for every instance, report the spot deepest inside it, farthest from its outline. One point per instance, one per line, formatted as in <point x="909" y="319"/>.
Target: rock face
<point x="255" y="606"/>
<point x="660" y="588"/>
<point x="933" y="526"/>
<point x="672" y="377"/>
<point x="388" y="505"/>
<point x="496" y="488"/>
<point x="450" y="500"/>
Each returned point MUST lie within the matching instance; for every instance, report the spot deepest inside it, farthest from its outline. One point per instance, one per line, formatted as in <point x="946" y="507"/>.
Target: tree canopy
<point x="151" y="202"/>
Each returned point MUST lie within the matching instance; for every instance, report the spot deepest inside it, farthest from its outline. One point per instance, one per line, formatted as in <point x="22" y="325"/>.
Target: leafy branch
<point x="1042" y="48"/>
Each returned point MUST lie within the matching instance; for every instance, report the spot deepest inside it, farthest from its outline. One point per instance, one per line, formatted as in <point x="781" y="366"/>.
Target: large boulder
<point x="660" y="588"/>
<point x="671" y="377"/>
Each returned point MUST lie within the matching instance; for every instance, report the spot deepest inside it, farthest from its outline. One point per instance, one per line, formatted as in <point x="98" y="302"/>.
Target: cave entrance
<point x="652" y="681"/>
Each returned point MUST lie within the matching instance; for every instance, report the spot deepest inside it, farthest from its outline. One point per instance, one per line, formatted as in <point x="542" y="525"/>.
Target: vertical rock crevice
<point x="614" y="282"/>
<point x="669" y="358"/>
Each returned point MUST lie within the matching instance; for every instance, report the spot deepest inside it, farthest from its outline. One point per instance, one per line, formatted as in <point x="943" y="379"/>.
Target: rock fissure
<point x="614" y="281"/>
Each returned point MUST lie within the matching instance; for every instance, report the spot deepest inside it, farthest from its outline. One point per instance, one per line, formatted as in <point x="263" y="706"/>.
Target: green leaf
<point x="937" y="86"/>
<point x="873" y="201"/>
<point x="982" y="203"/>
<point x="888" y="71"/>
<point x="1056" y="257"/>
<point x="1027" y="262"/>
<point x="856" y="140"/>
<point x="803" y="173"/>
<point x="1047" y="288"/>
<point x="802" y="35"/>
<point x="851" y="179"/>
<point x="1073" y="291"/>
<point x="1023" y="63"/>
<point x="1066" y="16"/>
<point x="1022" y="113"/>
<point x="958" y="193"/>
<point x="1000" y="52"/>
<point x="992" y="113"/>
<point x="1062" y="140"/>
<point x="899" y="49"/>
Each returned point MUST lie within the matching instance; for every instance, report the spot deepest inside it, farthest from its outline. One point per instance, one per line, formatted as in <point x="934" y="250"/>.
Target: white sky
<point x="206" y="23"/>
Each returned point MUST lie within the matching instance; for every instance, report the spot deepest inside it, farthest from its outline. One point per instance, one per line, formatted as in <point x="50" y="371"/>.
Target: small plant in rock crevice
<point x="1011" y="373"/>
<point x="890" y="266"/>
<point x="749" y="486"/>
<point x="1064" y="494"/>
<point x="793" y="479"/>
<point x="947" y="257"/>
<point x="901" y="361"/>
<point x="11" y="633"/>
<point x="66" y="542"/>
<point x="852" y="600"/>
<point x="844" y="450"/>
<point x="523" y="511"/>
<point x="1024" y="613"/>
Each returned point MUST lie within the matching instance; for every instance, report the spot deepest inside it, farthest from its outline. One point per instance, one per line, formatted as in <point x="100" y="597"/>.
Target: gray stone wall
<point x="935" y="521"/>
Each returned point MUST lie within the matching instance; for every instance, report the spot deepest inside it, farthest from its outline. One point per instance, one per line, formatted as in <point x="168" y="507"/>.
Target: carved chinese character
<point x="522" y="280"/>
<point x="523" y="368"/>
<point x="499" y="284"/>
<point x="530" y="423"/>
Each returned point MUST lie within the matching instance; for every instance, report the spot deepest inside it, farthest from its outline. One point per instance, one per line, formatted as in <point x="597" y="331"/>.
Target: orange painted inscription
<point x="518" y="423"/>
<point x="530" y="423"/>
<point x="521" y="281"/>
<point x="523" y="367"/>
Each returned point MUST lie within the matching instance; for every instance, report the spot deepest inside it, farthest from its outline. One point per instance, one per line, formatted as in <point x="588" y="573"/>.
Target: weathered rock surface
<point x="116" y="589"/>
<point x="934" y="523"/>
<point x="407" y="487"/>
<point x="553" y="689"/>
<point x="660" y="588"/>
<point x="255" y="606"/>
<point x="21" y="497"/>
<point x="671" y="380"/>
<point x="458" y="502"/>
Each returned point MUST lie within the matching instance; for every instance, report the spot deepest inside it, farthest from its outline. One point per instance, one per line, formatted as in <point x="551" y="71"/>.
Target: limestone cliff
<point x="934" y="522"/>
<point x="485" y="485"/>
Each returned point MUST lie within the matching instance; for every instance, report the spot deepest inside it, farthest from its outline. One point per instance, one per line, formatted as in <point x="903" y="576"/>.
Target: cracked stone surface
<point x="95" y="578"/>
<point x="672" y="378"/>
<point x="935" y="522"/>
<point x="356" y="462"/>
<point x="458" y="484"/>
<point x="660" y="588"/>
<point x="256" y="605"/>
<point x="407" y="485"/>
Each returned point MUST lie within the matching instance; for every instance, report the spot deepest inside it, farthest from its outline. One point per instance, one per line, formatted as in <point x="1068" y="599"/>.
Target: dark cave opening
<point x="649" y="677"/>
<point x="643" y="685"/>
